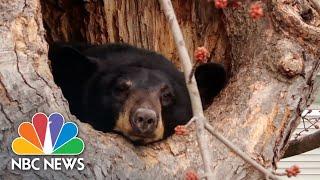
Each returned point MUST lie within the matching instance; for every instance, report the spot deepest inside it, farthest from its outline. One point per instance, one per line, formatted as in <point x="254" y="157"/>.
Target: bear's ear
<point x="211" y="78"/>
<point x="65" y="57"/>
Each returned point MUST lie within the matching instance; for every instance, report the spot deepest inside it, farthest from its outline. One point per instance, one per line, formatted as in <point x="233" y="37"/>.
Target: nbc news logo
<point x="47" y="136"/>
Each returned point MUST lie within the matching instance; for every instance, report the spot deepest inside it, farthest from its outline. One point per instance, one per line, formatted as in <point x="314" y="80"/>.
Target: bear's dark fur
<point x="136" y="92"/>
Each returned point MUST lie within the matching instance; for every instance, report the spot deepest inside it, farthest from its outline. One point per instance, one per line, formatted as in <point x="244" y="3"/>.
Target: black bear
<point x="121" y="88"/>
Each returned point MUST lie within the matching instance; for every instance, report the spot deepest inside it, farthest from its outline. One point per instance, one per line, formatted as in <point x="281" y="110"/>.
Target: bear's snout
<point x="144" y="121"/>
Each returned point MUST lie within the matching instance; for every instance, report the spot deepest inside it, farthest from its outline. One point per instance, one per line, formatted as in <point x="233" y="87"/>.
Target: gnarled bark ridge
<point x="273" y="63"/>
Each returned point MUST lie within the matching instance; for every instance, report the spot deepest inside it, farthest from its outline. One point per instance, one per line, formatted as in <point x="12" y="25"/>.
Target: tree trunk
<point x="272" y="64"/>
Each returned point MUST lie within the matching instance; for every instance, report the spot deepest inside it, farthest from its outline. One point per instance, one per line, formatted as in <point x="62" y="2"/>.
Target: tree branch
<point x="286" y="17"/>
<point x="191" y="85"/>
<point x="303" y="144"/>
<point x="243" y="155"/>
<point x="198" y="114"/>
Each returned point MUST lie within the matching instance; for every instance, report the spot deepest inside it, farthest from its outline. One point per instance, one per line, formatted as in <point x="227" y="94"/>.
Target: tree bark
<point x="272" y="64"/>
<point x="137" y="22"/>
<point x="303" y="144"/>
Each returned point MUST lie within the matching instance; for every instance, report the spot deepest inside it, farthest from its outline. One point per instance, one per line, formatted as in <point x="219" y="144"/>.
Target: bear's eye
<point x="124" y="85"/>
<point x="166" y="97"/>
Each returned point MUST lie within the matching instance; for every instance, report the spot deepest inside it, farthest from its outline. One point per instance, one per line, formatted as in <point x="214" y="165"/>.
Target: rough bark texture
<point x="139" y="23"/>
<point x="273" y="65"/>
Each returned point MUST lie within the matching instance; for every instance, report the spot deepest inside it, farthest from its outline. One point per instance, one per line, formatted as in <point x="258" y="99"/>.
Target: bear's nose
<point x="144" y="120"/>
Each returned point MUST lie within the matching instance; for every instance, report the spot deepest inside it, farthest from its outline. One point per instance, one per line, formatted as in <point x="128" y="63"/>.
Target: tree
<point x="272" y="63"/>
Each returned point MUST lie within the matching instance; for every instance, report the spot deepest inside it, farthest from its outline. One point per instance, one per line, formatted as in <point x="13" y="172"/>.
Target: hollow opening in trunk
<point x="88" y="22"/>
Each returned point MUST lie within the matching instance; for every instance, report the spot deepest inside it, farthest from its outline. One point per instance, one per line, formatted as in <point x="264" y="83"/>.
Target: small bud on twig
<point x="181" y="130"/>
<point x="256" y="11"/>
<point x="201" y="55"/>
<point x="191" y="175"/>
<point x="293" y="171"/>
<point x="220" y="3"/>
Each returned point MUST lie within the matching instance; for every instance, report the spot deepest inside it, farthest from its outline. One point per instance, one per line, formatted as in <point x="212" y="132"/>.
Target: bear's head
<point x="134" y="100"/>
<point x="137" y="93"/>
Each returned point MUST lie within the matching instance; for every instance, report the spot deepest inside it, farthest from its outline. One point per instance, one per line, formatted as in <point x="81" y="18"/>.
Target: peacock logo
<point x="48" y="136"/>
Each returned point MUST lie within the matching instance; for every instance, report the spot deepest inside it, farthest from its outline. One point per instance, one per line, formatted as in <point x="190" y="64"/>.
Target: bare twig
<point x="292" y="171"/>
<point x="279" y="173"/>
<point x="243" y="155"/>
<point x="303" y="144"/>
<point x="191" y="85"/>
<point x="313" y="121"/>
<point x="198" y="114"/>
<point x="193" y="70"/>
<point x="190" y="122"/>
